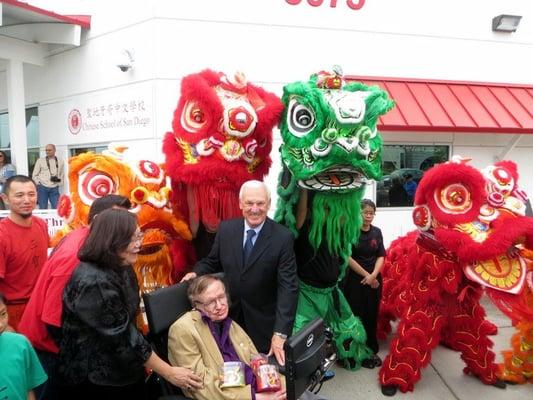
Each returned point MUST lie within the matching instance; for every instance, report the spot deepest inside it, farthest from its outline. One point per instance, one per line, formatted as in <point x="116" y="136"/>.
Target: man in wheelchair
<point x="207" y="341"/>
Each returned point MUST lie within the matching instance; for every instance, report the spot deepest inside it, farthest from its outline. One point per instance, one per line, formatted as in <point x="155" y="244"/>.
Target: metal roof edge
<point x="434" y="81"/>
<point x="82" y="20"/>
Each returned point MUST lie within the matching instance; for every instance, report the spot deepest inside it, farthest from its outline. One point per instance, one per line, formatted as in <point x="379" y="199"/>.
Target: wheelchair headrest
<point x="165" y="306"/>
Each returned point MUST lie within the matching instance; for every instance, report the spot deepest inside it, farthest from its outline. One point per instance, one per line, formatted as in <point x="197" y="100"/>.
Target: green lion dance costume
<point x="330" y="150"/>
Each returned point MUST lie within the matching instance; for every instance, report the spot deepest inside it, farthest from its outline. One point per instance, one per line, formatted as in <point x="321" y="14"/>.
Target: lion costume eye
<point x="500" y="180"/>
<point x="94" y="184"/>
<point x="300" y="119"/>
<point x="149" y="169"/>
<point x="454" y="199"/>
<point x="192" y="117"/>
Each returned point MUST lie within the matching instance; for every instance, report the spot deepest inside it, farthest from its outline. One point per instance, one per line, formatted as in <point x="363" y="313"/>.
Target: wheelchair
<point x="309" y="353"/>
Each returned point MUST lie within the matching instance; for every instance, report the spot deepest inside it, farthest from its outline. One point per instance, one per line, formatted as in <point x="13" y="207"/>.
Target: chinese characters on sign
<point x="115" y="109"/>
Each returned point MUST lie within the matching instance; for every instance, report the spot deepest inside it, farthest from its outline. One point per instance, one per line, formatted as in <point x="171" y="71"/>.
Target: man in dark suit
<point x="257" y="256"/>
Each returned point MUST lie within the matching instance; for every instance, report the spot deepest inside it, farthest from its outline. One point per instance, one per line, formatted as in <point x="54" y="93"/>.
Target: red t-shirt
<point x="23" y="252"/>
<point x="46" y="302"/>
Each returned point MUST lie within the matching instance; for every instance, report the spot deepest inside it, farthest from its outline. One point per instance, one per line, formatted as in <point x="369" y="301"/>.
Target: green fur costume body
<point x="330" y="149"/>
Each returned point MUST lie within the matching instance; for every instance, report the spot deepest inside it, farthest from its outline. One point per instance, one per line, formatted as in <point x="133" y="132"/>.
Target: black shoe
<point x="377" y="361"/>
<point x="347" y="363"/>
<point x="389" y="390"/>
<point x="500" y="384"/>
<point x="368" y="363"/>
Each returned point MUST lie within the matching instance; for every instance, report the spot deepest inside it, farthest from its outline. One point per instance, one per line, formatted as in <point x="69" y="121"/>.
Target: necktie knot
<point x="248" y="245"/>
<point x="250" y="233"/>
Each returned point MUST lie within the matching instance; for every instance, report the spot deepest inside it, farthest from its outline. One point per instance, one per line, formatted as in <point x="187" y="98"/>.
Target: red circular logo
<point x="74" y="122"/>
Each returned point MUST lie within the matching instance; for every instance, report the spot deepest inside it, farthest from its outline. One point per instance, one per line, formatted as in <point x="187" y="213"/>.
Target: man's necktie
<point x="248" y="245"/>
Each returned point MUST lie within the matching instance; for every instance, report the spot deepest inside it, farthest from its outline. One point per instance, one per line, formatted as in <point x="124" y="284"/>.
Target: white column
<point x="16" y="107"/>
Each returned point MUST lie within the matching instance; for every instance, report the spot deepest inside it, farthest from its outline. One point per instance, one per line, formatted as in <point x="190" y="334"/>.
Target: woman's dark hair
<point x="368" y="203"/>
<point x="111" y="233"/>
<point x="2" y="298"/>
<point x="7" y="160"/>
<point x="105" y="202"/>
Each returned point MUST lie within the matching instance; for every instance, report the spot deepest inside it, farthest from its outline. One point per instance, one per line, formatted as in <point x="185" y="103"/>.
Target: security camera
<point x="124" y="67"/>
<point x="125" y="63"/>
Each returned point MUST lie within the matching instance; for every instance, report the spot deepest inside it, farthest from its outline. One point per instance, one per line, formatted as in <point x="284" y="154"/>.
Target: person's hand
<point x="279" y="395"/>
<point x="276" y="348"/>
<point x="374" y="284"/>
<point x="369" y="279"/>
<point x="188" y="277"/>
<point x="184" y="378"/>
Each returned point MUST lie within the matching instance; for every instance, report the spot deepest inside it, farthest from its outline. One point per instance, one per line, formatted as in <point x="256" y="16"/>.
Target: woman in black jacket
<point x="102" y="354"/>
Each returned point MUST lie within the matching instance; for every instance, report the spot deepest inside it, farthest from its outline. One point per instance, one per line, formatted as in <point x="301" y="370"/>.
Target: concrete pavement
<point x="443" y="379"/>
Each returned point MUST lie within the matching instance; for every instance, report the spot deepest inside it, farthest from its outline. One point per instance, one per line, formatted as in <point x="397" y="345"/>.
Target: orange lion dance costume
<point x="162" y="259"/>
<point x="468" y="226"/>
<point x="517" y="366"/>
<point x="221" y="137"/>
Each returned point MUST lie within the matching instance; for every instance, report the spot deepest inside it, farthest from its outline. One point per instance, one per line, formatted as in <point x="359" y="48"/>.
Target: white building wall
<point x="274" y="42"/>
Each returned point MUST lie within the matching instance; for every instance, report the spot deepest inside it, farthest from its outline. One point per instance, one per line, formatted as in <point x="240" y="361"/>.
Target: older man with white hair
<point x="257" y="256"/>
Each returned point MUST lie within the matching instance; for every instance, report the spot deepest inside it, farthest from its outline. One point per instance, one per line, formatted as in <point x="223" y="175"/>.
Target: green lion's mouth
<point x="336" y="178"/>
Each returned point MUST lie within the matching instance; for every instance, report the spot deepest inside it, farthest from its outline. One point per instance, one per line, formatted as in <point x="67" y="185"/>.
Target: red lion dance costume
<point x="468" y="226"/>
<point x="222" y="137"/>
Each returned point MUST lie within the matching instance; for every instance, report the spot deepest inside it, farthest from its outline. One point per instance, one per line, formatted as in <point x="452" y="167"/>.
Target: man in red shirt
<point x="23" y="245"/>
<point x="41" y="322"/>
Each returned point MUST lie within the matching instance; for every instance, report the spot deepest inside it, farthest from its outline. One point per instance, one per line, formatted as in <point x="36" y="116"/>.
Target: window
<point x="4" y="131"/>
<point x="95" y="148"/>
<point x="32" y="135"/>
<point x="403" y="166"/>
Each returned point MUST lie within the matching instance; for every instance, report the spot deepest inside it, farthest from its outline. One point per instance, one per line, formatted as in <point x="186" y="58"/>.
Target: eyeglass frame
<point x="137" y="237"/>
<point x="210" y="305"/>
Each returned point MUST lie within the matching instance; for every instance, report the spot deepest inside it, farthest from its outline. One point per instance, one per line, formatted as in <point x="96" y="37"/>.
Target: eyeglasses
<point x="368" y="213"/>
<point x="138" y="237"/>
<point x="211" y="305"/>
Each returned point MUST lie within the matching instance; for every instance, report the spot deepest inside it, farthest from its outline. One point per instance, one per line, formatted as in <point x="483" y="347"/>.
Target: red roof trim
<point x="455" y="106"/>
<point x="437" y="129"/>
<point x="82" y="20"/>
<point x="422" y="80"/>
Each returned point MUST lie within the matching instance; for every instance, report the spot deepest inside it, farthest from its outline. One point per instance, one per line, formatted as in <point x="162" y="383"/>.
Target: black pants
<point x="364" y="302"/>
<point x="47" y="391"/>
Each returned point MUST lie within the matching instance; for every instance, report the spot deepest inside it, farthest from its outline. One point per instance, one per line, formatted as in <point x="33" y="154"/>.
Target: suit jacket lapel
<point x="261" y="244"/>
<point x="210" y="345"/>
<point x="238" y="232"/>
